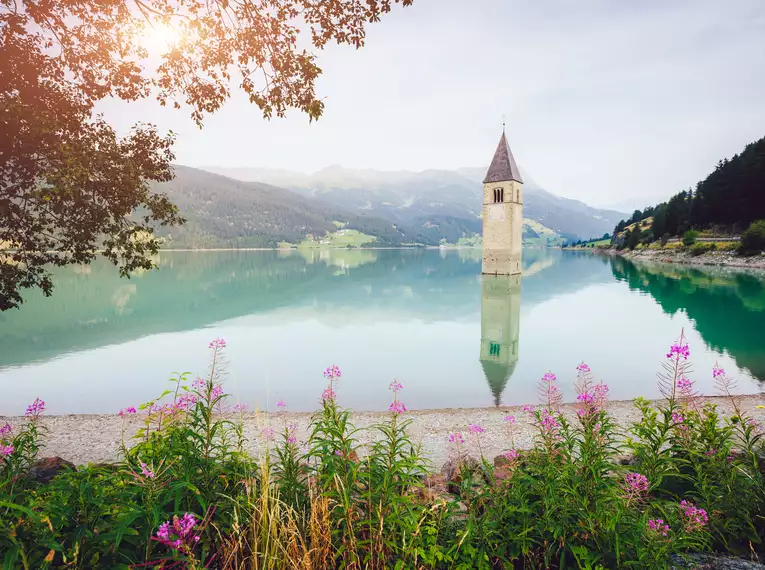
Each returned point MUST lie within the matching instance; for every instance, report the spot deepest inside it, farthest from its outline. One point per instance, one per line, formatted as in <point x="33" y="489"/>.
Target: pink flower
<point x="685" y="386"/>
<point x="528" y="408"/>
<point x="694" y="518"/>
<point x="456" y="437"/>
<point x="395" y="386"/>
<point x="127" y="411"/>
<point x="601" y="392"/>
<point x="338" y="452"/>
<point x="635" y="483"/>
<point x="717" y="371"/>
<point x="240" y="407"/>
<point x="658" y="526"/>
<point x="6" y="429"/>
<point x="475" y="429"/>
<point x="217" y="392"/>
<point x="267" y="433"/>
<point x="583" y="368"/>
<point x="586" y="398"/>
<point x="679" y="350"/>
<point x="511" y="455"/>
<point x="179" y="533"/>
<point x="550" y="423"/>
<point x="146" y="472"/>
<point x="711" y="452"/>
<point x="185" y="401"/>
<point x="198" y="384"/>
<point x="328" y="394"/>
<point x="35" y="408"/>
<point x="397" y="407"/>
<point x="217" y="343"/>
<point x="510" y="419"/>
<point x="291" y="434"/>
<point x="677" y="418"/>
<point x="5" y="451"/>
<point x="549" y="378"/>
<point x="281" y="404"/>
<point x="332" y="372"/>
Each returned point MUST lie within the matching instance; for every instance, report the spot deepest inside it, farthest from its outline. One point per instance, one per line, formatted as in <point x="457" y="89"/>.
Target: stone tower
<point x="502" y="214"/>
<point x="500" y="329"/>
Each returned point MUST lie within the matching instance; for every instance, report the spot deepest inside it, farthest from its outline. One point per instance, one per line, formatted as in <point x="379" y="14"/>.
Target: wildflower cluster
<point x="679" y="350"/>
<point x="694" y="518"/>
<point x="179" y="533"/>
<point x="549" y="393"/>
<point x="658" y="527"/>
<point x="319" y="505"/>
<point x="457" y="438"/>
<point x="634" y="488"/>
<point x="35" y="408"/>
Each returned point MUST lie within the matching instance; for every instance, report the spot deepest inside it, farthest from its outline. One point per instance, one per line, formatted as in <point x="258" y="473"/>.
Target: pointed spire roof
<point x="497" y="376"/>
<point x="503" y="165"/>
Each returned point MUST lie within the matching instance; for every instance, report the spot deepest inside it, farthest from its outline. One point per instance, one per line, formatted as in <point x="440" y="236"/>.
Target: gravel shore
<point x="84" y="439"/>
<point x="717" y="258"/>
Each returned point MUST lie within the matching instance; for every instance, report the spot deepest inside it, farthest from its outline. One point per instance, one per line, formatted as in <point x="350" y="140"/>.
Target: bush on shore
<point x="188" y="495"/>
<point x="753" y="238"/>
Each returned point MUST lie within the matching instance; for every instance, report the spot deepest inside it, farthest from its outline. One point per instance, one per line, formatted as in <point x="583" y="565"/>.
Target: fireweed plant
<point x="187" y="494"/>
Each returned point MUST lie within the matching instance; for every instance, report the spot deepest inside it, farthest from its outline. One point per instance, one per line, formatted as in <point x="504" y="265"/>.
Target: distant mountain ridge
<point x="224" y="212"/>
<point x="428" y="198"/>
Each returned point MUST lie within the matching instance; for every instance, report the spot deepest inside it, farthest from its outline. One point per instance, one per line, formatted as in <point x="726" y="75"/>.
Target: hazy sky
<point x="605" y="100"/>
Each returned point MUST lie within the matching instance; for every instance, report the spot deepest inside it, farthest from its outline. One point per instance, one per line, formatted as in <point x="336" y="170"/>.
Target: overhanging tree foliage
<point x="70" y="186"/>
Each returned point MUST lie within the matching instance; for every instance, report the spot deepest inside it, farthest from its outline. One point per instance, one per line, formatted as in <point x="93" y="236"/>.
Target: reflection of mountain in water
<point x="726" y="306"/>
<point x="92" y="307"/>
<point x="500" y="329"/>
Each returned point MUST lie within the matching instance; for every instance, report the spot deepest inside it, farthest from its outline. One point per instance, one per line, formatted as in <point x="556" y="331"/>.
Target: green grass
<point x="340" y="238"/>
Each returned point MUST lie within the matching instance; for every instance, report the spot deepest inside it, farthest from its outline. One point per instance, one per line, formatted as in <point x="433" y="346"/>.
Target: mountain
<point x="430" y="198"/>
<point x="224" y="212"/>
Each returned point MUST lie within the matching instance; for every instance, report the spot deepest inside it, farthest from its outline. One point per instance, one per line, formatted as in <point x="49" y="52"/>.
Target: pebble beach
<point x="84" y="439"/>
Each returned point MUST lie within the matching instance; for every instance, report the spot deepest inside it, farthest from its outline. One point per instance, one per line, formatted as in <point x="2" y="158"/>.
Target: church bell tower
<point x="502" y="214"/>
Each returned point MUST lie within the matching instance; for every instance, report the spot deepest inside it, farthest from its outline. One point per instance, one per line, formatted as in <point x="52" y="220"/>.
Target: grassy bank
<point x="187" y="494"/>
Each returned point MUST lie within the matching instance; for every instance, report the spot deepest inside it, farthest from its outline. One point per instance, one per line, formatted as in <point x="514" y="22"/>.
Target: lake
<point x="424" y="317"/>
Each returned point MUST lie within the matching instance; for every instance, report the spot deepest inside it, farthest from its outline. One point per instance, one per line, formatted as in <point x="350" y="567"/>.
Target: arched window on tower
<point x="502" y="195"/>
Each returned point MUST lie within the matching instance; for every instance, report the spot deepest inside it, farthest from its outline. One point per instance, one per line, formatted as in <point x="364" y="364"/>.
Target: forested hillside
<point x="729" y="199"/>
<point x="433" y="200"/>
<point x="223" y="212"/>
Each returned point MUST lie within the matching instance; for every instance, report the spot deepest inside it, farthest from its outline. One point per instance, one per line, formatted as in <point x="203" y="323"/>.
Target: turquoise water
<point x="426" y="318"/>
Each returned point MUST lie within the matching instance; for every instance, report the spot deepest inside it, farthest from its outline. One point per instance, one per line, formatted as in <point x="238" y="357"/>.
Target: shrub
<point x="690" y="237"/>
<point x="702" y="247"/>
<point x="665" y="238"/>
<point x="753" y="239"/>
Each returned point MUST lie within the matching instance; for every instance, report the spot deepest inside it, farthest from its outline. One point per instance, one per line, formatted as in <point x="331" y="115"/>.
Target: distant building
<point x="500" y="329"/>
<point x="502" y="214"/>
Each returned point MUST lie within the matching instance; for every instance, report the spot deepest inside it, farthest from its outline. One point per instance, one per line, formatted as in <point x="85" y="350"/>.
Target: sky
<point x="609" y="102"/>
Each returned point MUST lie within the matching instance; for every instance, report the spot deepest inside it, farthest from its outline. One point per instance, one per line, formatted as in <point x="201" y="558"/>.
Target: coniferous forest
<point x="730" y="198"/>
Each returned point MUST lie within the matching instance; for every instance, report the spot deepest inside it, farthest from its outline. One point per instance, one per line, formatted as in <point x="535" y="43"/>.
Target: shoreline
<point x="708" y="259"/>
<point x="282" y="249"/>
<point x="95" y="438"/>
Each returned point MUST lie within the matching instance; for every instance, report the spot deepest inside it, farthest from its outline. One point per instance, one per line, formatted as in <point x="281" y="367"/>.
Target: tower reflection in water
<point x="500" y="327"/>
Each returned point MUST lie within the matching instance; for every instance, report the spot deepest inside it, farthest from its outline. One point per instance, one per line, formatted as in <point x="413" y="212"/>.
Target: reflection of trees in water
<point x="726" y="306"/>
<point x="191" y="290"/>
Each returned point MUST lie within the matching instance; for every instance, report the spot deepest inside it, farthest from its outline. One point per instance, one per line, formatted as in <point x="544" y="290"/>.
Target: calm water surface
<point x="427" y="318"/>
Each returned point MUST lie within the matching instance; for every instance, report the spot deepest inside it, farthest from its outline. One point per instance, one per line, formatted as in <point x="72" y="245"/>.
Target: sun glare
<point x="159" y="37"/>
